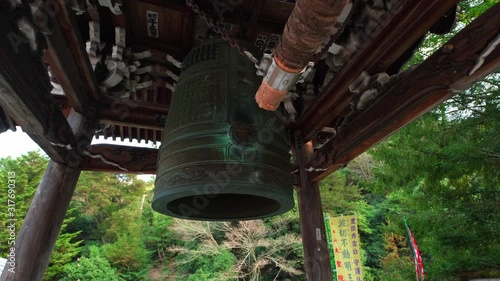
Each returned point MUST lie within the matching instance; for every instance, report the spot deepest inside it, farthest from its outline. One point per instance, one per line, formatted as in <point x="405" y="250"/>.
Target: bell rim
<point x="280" y="195"/>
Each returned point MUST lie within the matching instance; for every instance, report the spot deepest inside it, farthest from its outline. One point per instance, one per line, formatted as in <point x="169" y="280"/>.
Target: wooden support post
<point x="39" y="232"/>
<point x="314" y="240"/>
<point x="43" y="222"/>
<point x="25" y="94"/>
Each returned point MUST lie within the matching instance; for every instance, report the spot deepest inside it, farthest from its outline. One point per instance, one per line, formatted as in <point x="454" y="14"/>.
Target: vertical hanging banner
<point x="419" y="265"/>
<point x="345" y="246"/>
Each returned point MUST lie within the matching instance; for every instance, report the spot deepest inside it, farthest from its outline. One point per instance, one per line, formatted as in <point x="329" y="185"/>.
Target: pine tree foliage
<point x="28" y="170"/>
<point x="95" y="267"/>
<point x="66" y="249"/>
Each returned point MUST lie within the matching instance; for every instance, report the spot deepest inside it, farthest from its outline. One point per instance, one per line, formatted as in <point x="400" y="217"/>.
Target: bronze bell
<point x="221" y="157"/>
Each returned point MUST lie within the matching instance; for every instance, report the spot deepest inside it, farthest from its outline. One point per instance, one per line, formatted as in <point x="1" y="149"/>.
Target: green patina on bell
<point x="221" y="157"/>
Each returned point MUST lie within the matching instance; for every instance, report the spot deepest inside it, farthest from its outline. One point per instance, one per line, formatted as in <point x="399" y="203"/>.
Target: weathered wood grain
<point x="316" y="255"/>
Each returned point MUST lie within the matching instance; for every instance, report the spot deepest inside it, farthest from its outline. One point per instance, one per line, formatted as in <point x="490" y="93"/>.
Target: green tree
<point x="99" y="195"/>
<point x="27" y="171"/>
<point x="443" y="170"/>
<point x="125" y="248"/>
<point x="344" y="192"/>
<point x="65" y="250"/>
<point x="207" y="267"/>
<point x="442" y="173"/>
<point x="199" y="251"/>
<point x="157" y="234"/>
<point x="94" y="267"/>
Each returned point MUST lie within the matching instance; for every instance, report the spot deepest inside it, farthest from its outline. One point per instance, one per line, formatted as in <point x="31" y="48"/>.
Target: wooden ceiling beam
<point x="160" y="50"/>
<point x="399" y="30"/>
<point x="25" y="91"/>
<point x="126" y="159"/>
<point x="154" y="108"/>
<point x="133" y="115"/>
<point x="445" y="73"/>
<point x="171" y="5"/>
<point x="125" y="112"/>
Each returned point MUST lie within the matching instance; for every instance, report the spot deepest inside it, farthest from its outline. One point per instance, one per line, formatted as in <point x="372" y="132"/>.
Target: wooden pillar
<point x="314" y="240"/>
<point x="25" y="94"/>
<point x="37" y="237"/>
<point x="42" y="224"/>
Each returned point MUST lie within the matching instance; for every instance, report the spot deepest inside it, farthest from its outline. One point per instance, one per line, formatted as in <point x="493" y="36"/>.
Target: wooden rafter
<point x="59" y="58"/>
<point x="135" y="160"/>
<point x="438" y="78"/>
<point x="399" y="30"/>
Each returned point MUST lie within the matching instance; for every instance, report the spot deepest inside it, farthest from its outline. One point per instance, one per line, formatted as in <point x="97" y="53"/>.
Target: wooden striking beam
<point x="135" y="160"/>
<point x="25" y="91"/>
<point x="314" y="240"/>
<point x="445" y="73"/>
<point x="399" y="30"/>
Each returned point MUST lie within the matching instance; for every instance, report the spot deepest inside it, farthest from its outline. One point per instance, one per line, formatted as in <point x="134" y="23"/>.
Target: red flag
<point x="419" y="265"/>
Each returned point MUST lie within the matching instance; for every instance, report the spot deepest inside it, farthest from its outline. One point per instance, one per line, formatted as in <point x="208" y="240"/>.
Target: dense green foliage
<point x="444" y="171"/>
<point x="94" y="267"/>
<point x="26" y="172"/>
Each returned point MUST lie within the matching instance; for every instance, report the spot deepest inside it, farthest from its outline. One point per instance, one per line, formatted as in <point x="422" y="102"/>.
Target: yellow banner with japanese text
<point x="346" y="248"/>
